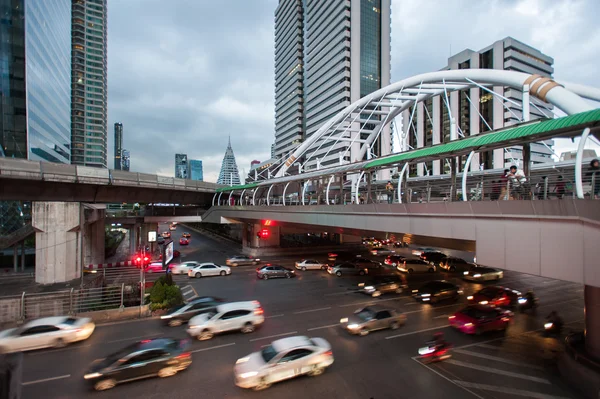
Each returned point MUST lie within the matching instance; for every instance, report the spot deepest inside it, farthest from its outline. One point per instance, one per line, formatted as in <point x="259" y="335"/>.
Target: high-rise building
<point x="181" y="166"/>
<point x="88" y="90"/>
<point x="328" y="55"/>
<point x="35" y="47"/>
<point x="229" y="171"/>
<point x="125" y="160"/>
<point x="195" y="170"/>
<point x="118" y="145"/>
<point x="478" y="111"/>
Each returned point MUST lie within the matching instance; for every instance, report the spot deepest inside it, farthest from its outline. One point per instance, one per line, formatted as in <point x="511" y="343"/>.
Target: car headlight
<point x="548" y="326"/>
<point x="353" y="326"/>
<point x="522" y="300"/>
<point x="477" y="275"/>
<point x="243" y="360"/>
<point x="166" y="316"/>
<point x="470" y="298"/>
<point x="465" y="273"/>
<point x="369" y="288"/>
<point x="92" y="375"/>
<point x="344" y="320"/>
<point x="192" y="327"/>
<point x="426" y="295"/>
<point x="249" y="374"/>
<point x="483" y="302"/>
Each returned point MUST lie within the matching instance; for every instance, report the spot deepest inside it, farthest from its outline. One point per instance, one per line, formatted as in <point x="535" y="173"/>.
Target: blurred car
<point x="186" y="235"/>
<point x="241" y="260"/>
<point x="160" y="240"/>
<point x="477" y="319"/>
<point x="455" y="264"/>
<point x="162" y="357"/>
<point x="372" y="318"/>
<point x="496" y="296"/>
<point x="274" y="271"/>
<point x="310" y="264"/>
<point x="400" y="244"/>
<point x="433" y="257"/>
<point x="283" y="359"/>
<point x="173" y="227"/>
<point x="184" y="267"/>
<point x="420" y="250"/>
<point x="48" y="332"/>
<point x="437" y="291"/>
<point x="382" y="251"/>
<point x="209" y="269"/>
<point x="394" y="260"/>
<point x="483" y="273"/>
<point x="176" y="254"/>
<point x="416" y="266"/>
<point x="347" y="269"/>
<point x="383" y="285"/>
<point x="182" y="314"/>
<point x="243" y="316"/>
<point x="154" y="267"/>
<point x="184" y="241"/>
<point x="332" y="256"/>
<point x="166" y="234"/>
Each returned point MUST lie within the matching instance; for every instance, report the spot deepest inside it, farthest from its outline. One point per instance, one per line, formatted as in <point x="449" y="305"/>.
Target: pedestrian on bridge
<point x="389" y="187"/>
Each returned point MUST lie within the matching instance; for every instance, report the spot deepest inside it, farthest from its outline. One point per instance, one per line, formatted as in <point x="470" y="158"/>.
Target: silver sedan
<point x="481" y="273"/>
<point x="310" y="264"/>
<point x="209" y="269"/>
<point x="372" y="318"/>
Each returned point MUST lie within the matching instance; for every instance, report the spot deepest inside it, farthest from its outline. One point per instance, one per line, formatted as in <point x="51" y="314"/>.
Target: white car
<point x="284" y="359"/>
<point x="184" y="268"/>
<point x="49" y="332"/>
<point x="243" y="316"/>
<point x="415" y="266"/>
<point x="310" y="264"/>
<point x="481" y="273"/>
<point x="209" y="269"/>
<point x="382" y="251"/>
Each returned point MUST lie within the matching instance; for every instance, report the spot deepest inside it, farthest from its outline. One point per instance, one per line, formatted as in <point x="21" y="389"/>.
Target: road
<point x="380" y="365"/>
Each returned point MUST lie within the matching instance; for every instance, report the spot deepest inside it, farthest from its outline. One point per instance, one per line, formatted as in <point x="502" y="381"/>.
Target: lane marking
<point x="60" y="377"/>
<point x="510" y="391"/>
<point x="274" y="316"/>
<point x="212" y="347"/>
<point x="322" y="327"/>
<point x="369" y="302"/>
<point x="312" y="310"/>
<point x="486" y="346"/>
<point x="447" y="379"/>
<point x="411" y="303"/>
<point x="274" y="336"/>
<point x="497" y="359"/>
<point x="437" y="307"/>
<point x="186" y="293"/>
<point x="498" y="371"/>
<point x="441" y="317"/>
<point x="416" y="332"/>
<point x="343" y="293"/>
<point x="134" y="338"/>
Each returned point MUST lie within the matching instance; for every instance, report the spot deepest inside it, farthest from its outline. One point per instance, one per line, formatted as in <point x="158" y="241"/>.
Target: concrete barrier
<point x="103" y="316"/>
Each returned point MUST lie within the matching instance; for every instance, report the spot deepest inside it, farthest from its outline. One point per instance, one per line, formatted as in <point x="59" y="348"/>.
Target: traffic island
<point x="579" y="368"/>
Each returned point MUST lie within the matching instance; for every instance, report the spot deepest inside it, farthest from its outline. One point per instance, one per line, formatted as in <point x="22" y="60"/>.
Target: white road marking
<point x="369" y="302"/>
<point x="60" y="377"/>
<point x="416" y="332"/>
<point x="441" y="316"/>
<point x="498" y="371"/>
<point x="134" y="338"/>
<point x="274" y="336"/>
<point x="212" y="347"/>
<point x="509" y="391"/>
<point x="411" y="303"/>
<point x="312" y="310"/>
<point x="497" y="359"/>
<point x="494" y="347"/>
<point x="322" y="327"/>
<point x="186" y="293"/>
<point x="274" y="316"/>
<point x="448" y="379"/>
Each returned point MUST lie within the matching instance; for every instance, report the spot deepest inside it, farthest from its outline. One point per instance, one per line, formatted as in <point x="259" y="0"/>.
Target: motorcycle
<point x="526" y="304"/>
<point x="552" y="328"/>
<point x="434" y="353"/>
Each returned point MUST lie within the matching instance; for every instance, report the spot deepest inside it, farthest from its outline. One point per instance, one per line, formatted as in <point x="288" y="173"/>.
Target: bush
<point x="163" y="296"/>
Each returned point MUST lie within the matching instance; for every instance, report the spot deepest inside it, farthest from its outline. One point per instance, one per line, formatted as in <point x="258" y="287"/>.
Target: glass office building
<point x="118" y="144"/>
<point x="181" y="166"/>
<point x="195" y="170"/>
<point x="125" y="160"/>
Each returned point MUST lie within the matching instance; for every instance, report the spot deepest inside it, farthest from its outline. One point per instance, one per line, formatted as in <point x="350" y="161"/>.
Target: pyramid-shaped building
<point x="229" y="171"/>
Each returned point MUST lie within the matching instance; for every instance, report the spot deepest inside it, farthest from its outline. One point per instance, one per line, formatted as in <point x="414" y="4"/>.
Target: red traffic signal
<point x="264" y="233"/>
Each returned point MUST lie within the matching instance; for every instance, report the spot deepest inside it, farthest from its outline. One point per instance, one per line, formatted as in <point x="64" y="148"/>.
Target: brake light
<point x="505" y="319"/>
<point x="452" y="317"/>
<point x="145" y="341"/>
<point x="184" y="355"/>
<point x="258" y="311"/>
<point x="328" y="353"/>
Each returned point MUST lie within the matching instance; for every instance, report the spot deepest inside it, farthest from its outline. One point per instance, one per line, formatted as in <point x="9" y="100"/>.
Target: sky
<point x="185" y="75"/>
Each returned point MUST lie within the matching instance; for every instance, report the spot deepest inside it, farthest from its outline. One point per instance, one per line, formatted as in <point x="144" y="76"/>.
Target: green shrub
<point x="157" y="293"/>
<point x="173" y="296"/>
<point x="163" y="296"/>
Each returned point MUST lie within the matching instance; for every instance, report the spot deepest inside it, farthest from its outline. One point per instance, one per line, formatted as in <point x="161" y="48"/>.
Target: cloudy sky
<point x="184" y="75"/>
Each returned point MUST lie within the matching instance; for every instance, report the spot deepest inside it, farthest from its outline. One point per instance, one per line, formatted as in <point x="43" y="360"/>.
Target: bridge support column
<point x="592" y="320"/>
<point x="93" y="243"/>
<point x="527" y="159"/>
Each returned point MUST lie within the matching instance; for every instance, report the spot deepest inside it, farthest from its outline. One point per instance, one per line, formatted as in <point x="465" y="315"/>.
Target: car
<point x="243" y="316"/>
<point x="347" y="269"/>
<point x="455" y="264"/>
<point x="394" y="260"/>
<point x="240" y="260"/>
<point x="47" y="332"/>
<point x="173" y="227"/>
<point x="186" y="235"/>
<point x="284" y="359"/>
<point x="433" y="257"/>
<point x="437" y="291"/>
<point x="162" y="357"/>
<point x="274" y="271"/>
<point x="209" y="269"/>
<point x="184" y="267"/>
<point x="383" y="285"/>
<point x="184" y="241"/>
<point x="154" y="267"/>
<point x="176" y="254"/>
<point x="166" y="234"/>
<point x="477" y="319"/>
<point x="372" y="318"/>
<point x="415" y="266"/>
<point x="496" y="296"/>
<point x="482" y="273"/>
<point x="332" y="256"/>
<point x="382" y="251"/>
<point x="310" y="264"/>
<point x="182" y="314"/>
<point x="420" y="250"/>
<point x="160" y="240"/>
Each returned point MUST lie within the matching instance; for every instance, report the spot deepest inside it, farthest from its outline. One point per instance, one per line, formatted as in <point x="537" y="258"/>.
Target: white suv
<point x="243" y="316"/>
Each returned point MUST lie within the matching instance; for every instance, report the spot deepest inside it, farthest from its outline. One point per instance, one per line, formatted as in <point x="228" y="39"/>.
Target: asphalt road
<point x="379" y="366"/>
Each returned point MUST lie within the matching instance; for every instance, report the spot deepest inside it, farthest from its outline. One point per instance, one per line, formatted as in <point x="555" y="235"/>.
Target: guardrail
<point x="574" y="342"/>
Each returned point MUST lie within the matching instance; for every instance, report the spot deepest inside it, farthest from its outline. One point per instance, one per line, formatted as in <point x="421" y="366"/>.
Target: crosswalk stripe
<point x="498" y="371"/>
<point x="510" y="391"/>
<point x="497" y="359"/>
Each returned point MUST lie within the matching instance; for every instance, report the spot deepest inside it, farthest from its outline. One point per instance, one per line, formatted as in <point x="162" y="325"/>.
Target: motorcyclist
<point x="530" y="298"/>
<point x="555" y="319"/>
<point x="438" y="341"/>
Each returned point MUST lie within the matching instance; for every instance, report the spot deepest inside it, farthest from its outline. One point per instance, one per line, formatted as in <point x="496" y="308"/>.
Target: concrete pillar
<point x="526" y="159"/>
<point x="93" y="242"/>
<point x="592" y="320"/>
<point x="369" y="199"/>
<point x="16" y="257"/>
<point x="132" y="246"/>
<point x="56" y="241"/>
<point x="23" y="255"/>
<point x="453" y="179"/>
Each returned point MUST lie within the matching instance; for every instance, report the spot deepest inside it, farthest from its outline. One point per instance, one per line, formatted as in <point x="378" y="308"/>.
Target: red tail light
<point x="259" y="311"/>
<point x="138" y="259"/>
<point x="328" y="353"/>
<point x="184" y="355"/>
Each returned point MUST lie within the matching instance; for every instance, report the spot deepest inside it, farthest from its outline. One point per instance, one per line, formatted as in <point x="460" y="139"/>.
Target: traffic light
<point x="264" y="234"/>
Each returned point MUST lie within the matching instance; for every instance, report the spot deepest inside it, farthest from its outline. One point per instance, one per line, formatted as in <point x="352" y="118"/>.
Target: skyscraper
<point x="195" y="170"/>
<point x="35" y="84"/>
<point x="328" y="55"/>
<point x="88" y="102"/>
<point x="181" y="166"/>
<point x="478" y="111"/>
<point x="229" y="171"/>
<point x="118" y="144"/>
<point x="125" y="163"/>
